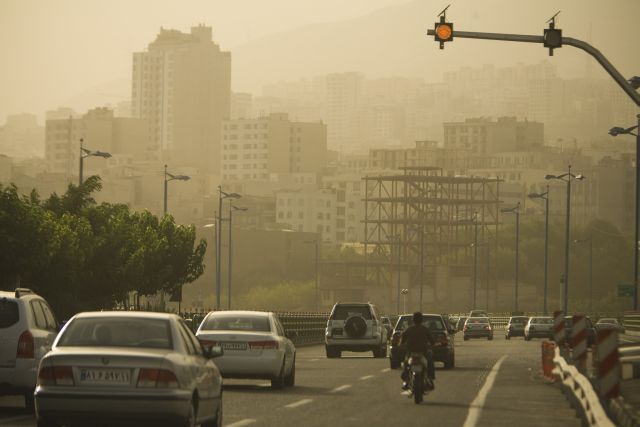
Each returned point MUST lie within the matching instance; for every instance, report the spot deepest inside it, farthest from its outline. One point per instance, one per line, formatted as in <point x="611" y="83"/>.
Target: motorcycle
<point x="418" y="381"/>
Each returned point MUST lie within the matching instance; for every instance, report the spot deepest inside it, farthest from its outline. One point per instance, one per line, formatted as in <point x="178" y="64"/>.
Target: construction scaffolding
<point x="418" y="220"/>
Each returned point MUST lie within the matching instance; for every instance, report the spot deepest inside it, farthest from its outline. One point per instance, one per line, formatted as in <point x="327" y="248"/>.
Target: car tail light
<point x="207" y="343"/>
<point x="158" y="378"/>
<point x="56" y="375"/>
<point x="26" y="346"/>
<point x="264" y="345"/>
<point x="395" y="339"/>
<point x="466" y="328"/>
<point x="488" y="328"/>
<point x="443" y="340"/>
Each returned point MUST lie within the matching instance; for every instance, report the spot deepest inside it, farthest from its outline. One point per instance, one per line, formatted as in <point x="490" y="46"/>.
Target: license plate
<point x="105" y="376"/>
<point x="234" y="346"/>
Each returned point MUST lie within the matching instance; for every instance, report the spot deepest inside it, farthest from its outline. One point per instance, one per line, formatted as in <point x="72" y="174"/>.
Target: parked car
<point x="128" y="366"/>
<point x="609" y="323"/>
<point x="255" y="346"/>
<point x="460" y="323"/>
<point x="539" y="327"/>
<point x="444" y="350"/>
<point x="27" y="331"/>
<point x="591" y="330"/>
<point x="477" y="327"/>
<point x="355" y="327"/>
<point x="515" y="326"/>
<point x="386" y="322"/>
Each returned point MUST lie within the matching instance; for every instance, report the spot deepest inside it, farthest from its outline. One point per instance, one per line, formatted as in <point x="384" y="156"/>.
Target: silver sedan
<point x="255" y="346"/>
<point x="138" y="367"/>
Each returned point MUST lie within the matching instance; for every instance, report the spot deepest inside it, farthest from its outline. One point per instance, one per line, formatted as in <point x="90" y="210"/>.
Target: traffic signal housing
<point x="552" y="38"/>
<point x="443" y="32"/>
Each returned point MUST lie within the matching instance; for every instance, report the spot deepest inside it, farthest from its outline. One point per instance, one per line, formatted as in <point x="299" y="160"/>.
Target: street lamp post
<point x="404" y="293"/>
<point x="316" y="243"/>
<point x="221" y="196"/>
<point x="170" y="177"/>
<point x="629" y="131"/>
<point x="590" y="241"/>
<point x="85" y="152"/>
<point x="516" y="210"/>
<point x="545" y="196"/>
<point x="566" y="177"/>
<point x="232" y="209"/>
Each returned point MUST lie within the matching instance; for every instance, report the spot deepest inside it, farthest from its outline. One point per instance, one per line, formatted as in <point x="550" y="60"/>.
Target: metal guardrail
<point x="309" y="328"/>
<point x="631" y="323"/>
<point x="581" y="393"/>
<point x="624" y="414"/>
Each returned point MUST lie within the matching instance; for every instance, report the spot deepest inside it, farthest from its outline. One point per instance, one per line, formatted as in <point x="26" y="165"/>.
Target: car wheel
<point x="466" y="338"/>
<point x="490" y="337"/>
<point x="191" y="418"/>
<point x="527" y="338"/>
<point x="383" y="351"/>
<point x="450" y="363"/>
<point x="507" y="337"/>
<point x="278" y="382"/>
<point x="290" y="380"/>
<point x="217" y="421"/>
<point x="29" y="402"/>
<point x="331" y="352"/>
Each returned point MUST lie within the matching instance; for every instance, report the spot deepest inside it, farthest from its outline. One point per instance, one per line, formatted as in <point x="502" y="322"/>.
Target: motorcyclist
<point x="418" y="339"/>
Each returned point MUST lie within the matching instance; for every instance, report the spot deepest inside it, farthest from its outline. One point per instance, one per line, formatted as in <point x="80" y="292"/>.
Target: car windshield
<point x="434" y="323"/>
<point x="9" y="315"/>
<point x="519" y="320"/>
<point x="117" y="332"/>
<point x="477" y="320"/>
<point x="542" y="320"/>
<point x="237" y="322"/>
<point x="343" y="312"/>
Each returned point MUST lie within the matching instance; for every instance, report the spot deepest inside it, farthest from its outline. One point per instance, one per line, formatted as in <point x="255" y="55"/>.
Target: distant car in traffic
<point x="539" y="327"/>
<point x="386" y="322"/>
<point x="477" y="327"/>
<point x="444" y="350"/>
<point x="128" y="366"/>
<point x="460" y="323"/>
<point x="515" y="326"/>
<point x="355" y="327"/>
<point x="255" y="346"/>
<point x="27" y="331"/>
<point x="609" y="323"/>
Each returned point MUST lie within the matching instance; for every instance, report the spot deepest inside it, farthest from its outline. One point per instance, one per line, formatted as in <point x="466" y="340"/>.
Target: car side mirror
<point x="211" y="352"/>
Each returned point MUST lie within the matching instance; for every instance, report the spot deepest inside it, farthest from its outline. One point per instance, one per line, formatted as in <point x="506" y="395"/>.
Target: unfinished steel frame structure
<point x="420" y="219"/>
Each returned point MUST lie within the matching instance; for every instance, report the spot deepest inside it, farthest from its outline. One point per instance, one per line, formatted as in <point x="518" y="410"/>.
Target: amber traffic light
<point x="443" y="32"/>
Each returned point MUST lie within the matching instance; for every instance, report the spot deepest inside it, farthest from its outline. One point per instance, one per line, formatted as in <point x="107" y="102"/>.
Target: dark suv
<point x="515" y="327"/>
<point x="444" y="350"/>
<point x="355" y="327"/>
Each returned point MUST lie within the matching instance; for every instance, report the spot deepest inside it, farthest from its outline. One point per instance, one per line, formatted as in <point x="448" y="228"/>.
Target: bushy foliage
<point x="84" y="256"/>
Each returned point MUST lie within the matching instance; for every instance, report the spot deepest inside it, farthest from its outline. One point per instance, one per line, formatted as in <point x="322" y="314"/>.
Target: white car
<point x="128" y="366"/>
<point x="355" y="327"/>
<point x="27" y="330"/>
<point x="539" y="327"/>
<point x="255" y="346"/>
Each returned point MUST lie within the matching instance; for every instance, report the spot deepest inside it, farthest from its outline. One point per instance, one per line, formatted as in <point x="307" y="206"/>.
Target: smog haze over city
<point x="331" y="162"/>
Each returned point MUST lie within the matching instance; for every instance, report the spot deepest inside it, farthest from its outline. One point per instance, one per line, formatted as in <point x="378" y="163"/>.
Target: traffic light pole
<point x="613" y="72"/>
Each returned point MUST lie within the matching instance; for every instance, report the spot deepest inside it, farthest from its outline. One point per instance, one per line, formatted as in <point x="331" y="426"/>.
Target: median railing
<point x="631" y="323"/>
<point x="307" y="328"/>
<point x="581" y="393"/>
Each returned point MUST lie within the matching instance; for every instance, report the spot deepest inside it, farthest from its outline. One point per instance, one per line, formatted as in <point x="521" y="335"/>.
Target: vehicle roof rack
<point x="23" y="291"/>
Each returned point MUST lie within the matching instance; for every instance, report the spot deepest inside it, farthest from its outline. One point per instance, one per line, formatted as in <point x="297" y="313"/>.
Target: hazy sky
<point x="54" y="50"/>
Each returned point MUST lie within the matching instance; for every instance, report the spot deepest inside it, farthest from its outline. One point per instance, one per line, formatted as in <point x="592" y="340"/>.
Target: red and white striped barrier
<point x="558" y="329"/>
<point x="579" y="341"/>
<point x="608" y="364"/>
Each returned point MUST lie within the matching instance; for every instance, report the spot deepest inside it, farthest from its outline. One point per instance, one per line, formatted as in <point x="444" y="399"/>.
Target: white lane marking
<point x="298" y="403"/>
<point x="313" y="360"/>
<point x="17" y="418"/>
<point x="475" y="409"/>
<point x="342" y="387"/>
<point x="242" y="423"/>
<point x="366" y="377"/>
<point x="385" y="370"/>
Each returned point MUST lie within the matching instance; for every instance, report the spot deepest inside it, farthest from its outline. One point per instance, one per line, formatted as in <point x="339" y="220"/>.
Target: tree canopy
<point x="82" y="256"/>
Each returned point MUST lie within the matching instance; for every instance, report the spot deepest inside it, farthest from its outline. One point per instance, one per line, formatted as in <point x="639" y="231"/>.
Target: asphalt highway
<point x="494" y="383"/>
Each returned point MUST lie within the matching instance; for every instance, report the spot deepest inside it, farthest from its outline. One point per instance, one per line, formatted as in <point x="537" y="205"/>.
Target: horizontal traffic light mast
<point x="443" y="32"/>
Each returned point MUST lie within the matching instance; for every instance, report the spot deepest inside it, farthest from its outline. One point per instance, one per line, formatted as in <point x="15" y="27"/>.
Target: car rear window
<point x="9" y="314"/>
<point x="542" y="320"/>
<point x="117" y="332"/>
<point x="519" y="320"/>
<point x="477" y="320"/>
<point x="229" y="322"/>
<point x="343" y="312"/>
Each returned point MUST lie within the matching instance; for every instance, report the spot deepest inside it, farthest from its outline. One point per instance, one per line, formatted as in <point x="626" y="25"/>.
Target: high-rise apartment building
<point x="485" y="136"/>
<point x="343" y="99"/>
<point x="252" y="149"/>
<point x="182" y="86"/>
